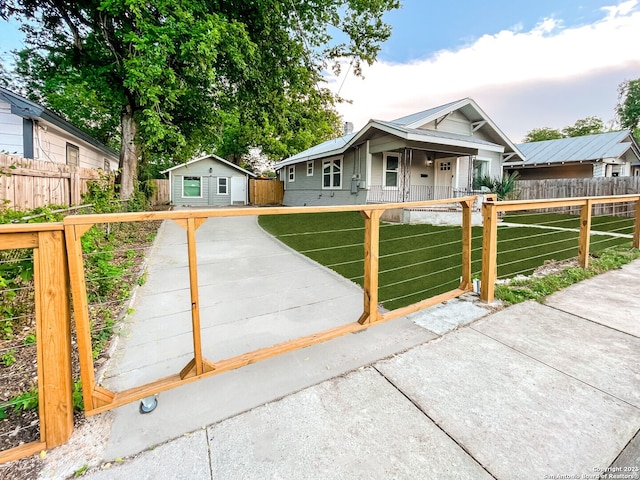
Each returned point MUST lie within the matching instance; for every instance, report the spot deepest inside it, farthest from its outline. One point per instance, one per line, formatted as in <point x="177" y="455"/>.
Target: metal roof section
<point x="335" y="146"/>
<point x="407" y="128"/>
<point x="589" y="148"/>
<point x="215" y="157"/>
<point x="444" y="138"/>
<point x="27" y="109"/>
<point x="417" y="117"/>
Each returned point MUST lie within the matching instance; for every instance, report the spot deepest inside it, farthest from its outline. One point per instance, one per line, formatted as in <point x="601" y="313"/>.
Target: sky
<point x="527" y="64"/>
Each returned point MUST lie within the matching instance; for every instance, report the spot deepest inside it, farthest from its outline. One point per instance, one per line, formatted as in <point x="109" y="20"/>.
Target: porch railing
<point x="416" y="193"/>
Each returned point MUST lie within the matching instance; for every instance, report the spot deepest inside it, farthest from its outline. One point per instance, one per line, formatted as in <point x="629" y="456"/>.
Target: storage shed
<point x="208" y="181"/>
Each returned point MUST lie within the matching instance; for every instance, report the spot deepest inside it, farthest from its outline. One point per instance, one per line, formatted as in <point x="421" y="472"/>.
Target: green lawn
<point x="420" y="261"/>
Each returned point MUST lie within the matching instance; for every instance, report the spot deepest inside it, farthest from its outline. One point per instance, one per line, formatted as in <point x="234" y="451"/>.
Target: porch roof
<point x="588" y="148"/>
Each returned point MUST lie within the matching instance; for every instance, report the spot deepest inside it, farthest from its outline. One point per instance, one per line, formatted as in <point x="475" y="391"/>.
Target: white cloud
<point x="510" y="62"/>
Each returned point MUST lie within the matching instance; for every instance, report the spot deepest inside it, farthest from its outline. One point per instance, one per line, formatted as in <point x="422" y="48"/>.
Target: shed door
<point x="239" y="190"/>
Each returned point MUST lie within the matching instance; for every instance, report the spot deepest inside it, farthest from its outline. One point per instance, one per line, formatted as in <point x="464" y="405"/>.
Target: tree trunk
<point x="128" y="155"/>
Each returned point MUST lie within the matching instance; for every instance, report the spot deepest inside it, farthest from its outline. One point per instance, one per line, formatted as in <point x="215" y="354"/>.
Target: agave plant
<point x="502" y="187"/>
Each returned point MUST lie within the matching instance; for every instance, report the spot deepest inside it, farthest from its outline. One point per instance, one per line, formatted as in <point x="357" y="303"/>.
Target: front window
<point x="192" y="186"/>
<point x="292" y="173"/>
<point x="222" y="186"/>
<point x="332" y="173"/>
<point x="480" y="168"/>
<point x="391" y="170"/>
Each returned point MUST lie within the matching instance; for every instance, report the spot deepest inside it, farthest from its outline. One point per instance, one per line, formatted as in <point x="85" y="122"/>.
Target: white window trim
<point x="75" y="148"/>
<point x="291" y="173"/>
<point x="384" y="169"/>
<point x="182" y="186"/>
<point x="331" y="160"/>
<point x="310" y="169"/>
<point x="226" y="184"/>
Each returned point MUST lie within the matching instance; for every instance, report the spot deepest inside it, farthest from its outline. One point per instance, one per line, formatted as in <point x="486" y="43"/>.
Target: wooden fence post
<point x="585" y="234"/>
<point x="371" y="258"/>
<point x="53" y="330"/>
<point x="489" y="251"/>
<point x="466" y="283"/>
<point x="636" y="227"/>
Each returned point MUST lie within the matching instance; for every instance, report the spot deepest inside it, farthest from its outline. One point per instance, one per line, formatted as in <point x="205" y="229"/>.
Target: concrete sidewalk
<point x="531" y="391"/>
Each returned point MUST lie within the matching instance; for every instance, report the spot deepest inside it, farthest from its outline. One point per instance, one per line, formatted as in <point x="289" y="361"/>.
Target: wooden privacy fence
<point x="160" y="191"/>
<point x="580" y="187"/>
<point x="266" y="192"/>
<point x="27" y="184"/>
<point x="586" y="206"/>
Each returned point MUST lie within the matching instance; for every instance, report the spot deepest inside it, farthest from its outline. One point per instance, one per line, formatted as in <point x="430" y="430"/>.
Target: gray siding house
<point x="431" y="154"/>
<point x="611" y="154"/>
<point x="208" y="181"/>
<point x="29" y="130"/>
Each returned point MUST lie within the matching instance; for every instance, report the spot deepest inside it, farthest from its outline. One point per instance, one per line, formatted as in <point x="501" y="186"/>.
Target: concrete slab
<point x="185" y="458"/>
<point x="357" y="426"/>
<point x="610" y="299"/>
<point x="628" y="463"/>
<point x="516" y="416"/>
<point x="597" y="355"/>
<point x="444" y="317"/>
<point x="216" y="398"/>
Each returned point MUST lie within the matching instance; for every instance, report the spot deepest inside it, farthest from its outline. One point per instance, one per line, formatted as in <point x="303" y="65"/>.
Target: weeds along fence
<point x="77" y="253"/>
<point x="518" y="236"/>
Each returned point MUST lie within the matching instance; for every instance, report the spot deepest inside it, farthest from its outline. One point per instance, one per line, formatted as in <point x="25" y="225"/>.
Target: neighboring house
<point x="208" y="181"/>
<point x="30" y="131"/>
<point x="428" y="155"/>
<point x="612" y="154"/>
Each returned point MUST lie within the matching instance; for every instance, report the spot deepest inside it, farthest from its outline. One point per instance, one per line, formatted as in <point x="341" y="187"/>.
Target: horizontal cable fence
<point x="520" y="237"/>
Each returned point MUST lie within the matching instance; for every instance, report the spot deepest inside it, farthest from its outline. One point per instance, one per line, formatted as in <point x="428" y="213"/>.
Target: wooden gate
<point x="266" y="192"/>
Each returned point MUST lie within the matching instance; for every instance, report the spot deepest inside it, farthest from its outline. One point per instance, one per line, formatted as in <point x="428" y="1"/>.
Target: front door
<point x="444" y="181"/>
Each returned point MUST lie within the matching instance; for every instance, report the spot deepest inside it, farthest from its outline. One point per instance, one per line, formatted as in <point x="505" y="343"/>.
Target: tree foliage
<point x="541" y="134"/>
<point x="184" y="77"/>
<point x="583" y="126"/>
<point x="628" y="108"/>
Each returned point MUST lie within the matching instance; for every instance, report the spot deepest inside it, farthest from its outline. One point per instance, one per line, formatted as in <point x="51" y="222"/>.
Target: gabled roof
<point x="407" y="128"/>
<point x="588" y="148"/>
<point x="214" y="157"/>
<point x="27" y="109"/>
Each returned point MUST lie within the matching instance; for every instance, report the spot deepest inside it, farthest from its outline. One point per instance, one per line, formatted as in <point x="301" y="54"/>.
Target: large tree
<point x="542" y="134"/>
<point x="628" y="108"/>
<point x="179" y="71"/>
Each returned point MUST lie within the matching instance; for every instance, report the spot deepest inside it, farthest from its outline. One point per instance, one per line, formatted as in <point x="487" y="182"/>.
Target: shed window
<point x="223" y="186"/>
<point x="391" y="170"/>
<point x="292" y="173"/>
<point x="73" y="155"/>
<point x="192" y="186"/>
<point x="332" y="173"/>
<point x="309" y="169"/>
<point x="107" y="165"/>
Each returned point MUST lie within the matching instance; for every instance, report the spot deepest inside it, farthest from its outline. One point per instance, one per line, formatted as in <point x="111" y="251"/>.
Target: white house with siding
<point x="29" y="130"/>
<point x="431" y="154"/>
<point x="208" y="181"/>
